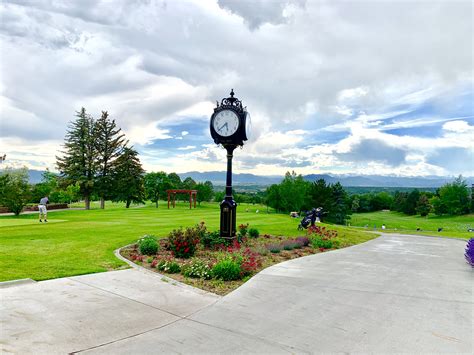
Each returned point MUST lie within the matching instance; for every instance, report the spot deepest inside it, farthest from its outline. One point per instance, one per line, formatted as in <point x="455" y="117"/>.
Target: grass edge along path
<point x="396" y="222"/>
<point x="84" y="241"/>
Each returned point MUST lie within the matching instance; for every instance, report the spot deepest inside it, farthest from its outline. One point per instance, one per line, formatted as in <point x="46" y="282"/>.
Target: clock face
<point x="226" y="123"/>
<point x="248" y="125"/>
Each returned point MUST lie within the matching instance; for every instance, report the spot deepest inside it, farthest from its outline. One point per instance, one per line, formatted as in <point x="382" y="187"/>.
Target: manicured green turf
<point x="78" y="242"/>
<point x="454" y="227"/>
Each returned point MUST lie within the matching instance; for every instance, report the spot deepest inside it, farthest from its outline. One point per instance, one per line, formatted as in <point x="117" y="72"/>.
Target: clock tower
<point x="230" y="127"/>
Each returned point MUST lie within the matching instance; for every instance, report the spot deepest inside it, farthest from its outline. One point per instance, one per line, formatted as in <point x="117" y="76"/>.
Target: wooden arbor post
<point x="192" y="197"/>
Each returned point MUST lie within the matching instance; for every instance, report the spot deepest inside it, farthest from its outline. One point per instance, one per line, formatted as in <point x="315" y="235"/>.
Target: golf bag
<point x="310" y="218"/>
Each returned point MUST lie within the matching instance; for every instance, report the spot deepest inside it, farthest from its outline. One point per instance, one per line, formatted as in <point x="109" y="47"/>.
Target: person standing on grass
<point x="43" y="212"/>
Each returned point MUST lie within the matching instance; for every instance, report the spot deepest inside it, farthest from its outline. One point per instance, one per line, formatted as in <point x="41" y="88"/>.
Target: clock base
<point x="228" y="218"/>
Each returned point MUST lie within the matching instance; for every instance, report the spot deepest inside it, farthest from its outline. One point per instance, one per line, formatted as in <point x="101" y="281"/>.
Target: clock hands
<point x="224" y="125"/>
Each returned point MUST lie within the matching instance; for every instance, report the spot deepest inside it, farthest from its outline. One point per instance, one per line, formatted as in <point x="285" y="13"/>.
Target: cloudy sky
<point x="365" y="87"/>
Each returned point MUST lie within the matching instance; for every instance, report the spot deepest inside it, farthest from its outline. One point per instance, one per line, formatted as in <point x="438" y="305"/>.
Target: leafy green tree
<point x="423" y="206"/>
<point x="128" y="177"/>
<point x="439" y="208"/>
<point x="455" y="197"/>
<point x="188" y="183"/>
<point x="399" y="201"/>
<point x="380" y="201"/>
<point x="14" y="189"/>
<point x="175" y="181"/>
<point x="293" y="192"/>
<point x="355" y="204"/>
<point x="78" y="162"/>
<point x="219" y="196"/>
<point x="205" y="191"/>
<point x="109" y="143"/>
<point x="409" y="206"/>
<point x="273" y="198"/>
<point x="155" y="183"/>
<point x="47" y="187"/>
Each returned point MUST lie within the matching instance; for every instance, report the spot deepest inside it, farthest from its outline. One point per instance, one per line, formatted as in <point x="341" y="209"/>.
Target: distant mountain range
<point x="218" y="178"/>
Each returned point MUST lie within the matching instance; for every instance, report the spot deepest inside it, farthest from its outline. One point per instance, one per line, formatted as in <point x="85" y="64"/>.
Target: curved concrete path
<point x="394" y="294"/>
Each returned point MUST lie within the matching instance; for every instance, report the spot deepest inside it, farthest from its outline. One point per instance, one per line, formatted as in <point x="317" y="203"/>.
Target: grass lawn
<point x="454" y="227"/>
<point x="76" y="242"/>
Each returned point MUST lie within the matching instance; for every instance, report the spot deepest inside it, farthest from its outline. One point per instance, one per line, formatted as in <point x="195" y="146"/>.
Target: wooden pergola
<point x="192" y="196"/>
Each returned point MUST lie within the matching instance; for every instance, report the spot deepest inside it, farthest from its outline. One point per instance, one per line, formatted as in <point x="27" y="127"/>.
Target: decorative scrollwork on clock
<point x="232" y="101"/>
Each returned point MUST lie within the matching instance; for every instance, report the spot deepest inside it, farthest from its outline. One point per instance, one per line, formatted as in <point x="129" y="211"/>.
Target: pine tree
<point x="109" y="144"/>
<point x="339" y="210"/>
<point x="128" y="176"/>
<point x="78" y="161"/>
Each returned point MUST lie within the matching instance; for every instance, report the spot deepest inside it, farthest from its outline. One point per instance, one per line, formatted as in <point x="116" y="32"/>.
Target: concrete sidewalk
<point x="394" y="294"/>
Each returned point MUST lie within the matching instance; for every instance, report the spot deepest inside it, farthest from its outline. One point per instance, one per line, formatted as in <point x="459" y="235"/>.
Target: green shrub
<point x="243" y="228"/>
<point x="322" y="243"/>
<point x="227" y="269"/>
<point x="254" y="233"/>
<point x="212" y="240"/>
<point x="169" y="266"/>
<point x="183" y="243"/>
<point x="148" y="245"/>
<point x="197" y="269"/>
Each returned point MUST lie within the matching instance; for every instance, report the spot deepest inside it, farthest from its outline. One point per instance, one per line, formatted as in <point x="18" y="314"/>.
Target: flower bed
<point x="203" y="259"/>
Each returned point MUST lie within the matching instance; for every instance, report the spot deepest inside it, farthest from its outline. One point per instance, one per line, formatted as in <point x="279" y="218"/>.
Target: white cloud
<point x="458" y="126"/>
<point x="307" y="70"/>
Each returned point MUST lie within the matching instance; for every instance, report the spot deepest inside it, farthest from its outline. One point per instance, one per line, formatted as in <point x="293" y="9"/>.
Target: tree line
<point x="97" y="157"/>
<point x="450" y="199"/>
<point x="296" y="194"/>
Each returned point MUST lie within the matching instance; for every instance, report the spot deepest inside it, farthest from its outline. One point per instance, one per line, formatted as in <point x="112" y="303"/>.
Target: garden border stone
<point x="161" y="276"/>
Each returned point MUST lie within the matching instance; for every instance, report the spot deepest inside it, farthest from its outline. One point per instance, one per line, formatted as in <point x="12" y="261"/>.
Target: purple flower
<point x="469" y="255"/>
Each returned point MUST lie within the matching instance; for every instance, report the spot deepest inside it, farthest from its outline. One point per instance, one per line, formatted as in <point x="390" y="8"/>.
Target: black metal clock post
<point x="229" y="128"/>
<point x="228" y="206"/>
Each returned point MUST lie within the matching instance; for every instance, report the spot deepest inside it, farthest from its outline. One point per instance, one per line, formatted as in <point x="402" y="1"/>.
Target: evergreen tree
<point x="78" y="161"/>
<point x="109" y="144"/>
<point x="339" y="210"/>
<point x="320" y="195"/>
<point x="128" y="176"/>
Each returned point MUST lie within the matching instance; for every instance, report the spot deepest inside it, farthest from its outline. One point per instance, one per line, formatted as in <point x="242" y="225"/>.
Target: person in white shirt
<point x="43" y="212"/>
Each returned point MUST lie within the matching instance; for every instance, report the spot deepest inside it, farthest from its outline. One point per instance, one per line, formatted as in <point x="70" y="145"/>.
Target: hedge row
<point x="52" y="206"/>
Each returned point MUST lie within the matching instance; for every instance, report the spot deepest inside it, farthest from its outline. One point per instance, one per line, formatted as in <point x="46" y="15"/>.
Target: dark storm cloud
<point x="454" y="159"/>
<point x="374" y="150"/>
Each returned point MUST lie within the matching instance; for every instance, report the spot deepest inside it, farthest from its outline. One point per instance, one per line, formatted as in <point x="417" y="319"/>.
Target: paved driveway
<point x="394" y="294"/>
